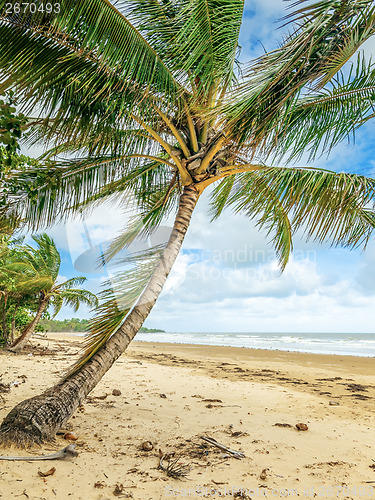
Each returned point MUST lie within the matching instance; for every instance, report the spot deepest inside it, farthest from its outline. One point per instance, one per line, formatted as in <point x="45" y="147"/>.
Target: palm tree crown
<point x="42" y="266"/>
<point x="38" y="273"/>
<point x="147" y="95"/>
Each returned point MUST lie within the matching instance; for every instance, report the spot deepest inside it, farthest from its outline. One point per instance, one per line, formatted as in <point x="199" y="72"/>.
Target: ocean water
<point x="350" y="344"/>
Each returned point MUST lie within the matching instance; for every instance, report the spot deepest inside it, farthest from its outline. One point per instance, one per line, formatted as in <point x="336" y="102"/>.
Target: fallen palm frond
<point x="174" y="467"/>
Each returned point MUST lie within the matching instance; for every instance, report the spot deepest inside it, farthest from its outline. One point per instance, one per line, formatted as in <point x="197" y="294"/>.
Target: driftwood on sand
<point x="236" y="454"/>
<point x="67" y="452"/>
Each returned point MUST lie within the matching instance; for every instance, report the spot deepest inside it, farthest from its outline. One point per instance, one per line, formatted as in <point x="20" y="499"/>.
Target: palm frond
<point x="118" y="298"/>
<point x="107" y="140"/>
<point x="208" y="38"/>
<point x="253" y="194"/>
<point x="71" y="282"/>
<point x="35" y="284"/>
<point x="158" y="22"/>
<point x="220" y="195"/>
<point x="326" y="206"/>
<point x="56" y="302"/>
<point x="307" y="56"/>
<point x="318" y="121"/>
<point x="156" y="208"/>
<point x="53" y="192"/>
<point x="38" y="265"/>
<point x="75" y="62"/>
<point x="196" y="37"/>
<point x="76" y="297"/>
<point x="46" y="254"/>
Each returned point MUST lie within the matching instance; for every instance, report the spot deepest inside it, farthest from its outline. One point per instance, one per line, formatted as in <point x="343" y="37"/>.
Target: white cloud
<point x="259" y="27"/>
<point x="336" y="309"/>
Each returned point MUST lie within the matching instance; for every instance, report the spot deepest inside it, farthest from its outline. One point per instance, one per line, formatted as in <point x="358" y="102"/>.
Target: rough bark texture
<point x="13" y="322"/>
<point x="23" y="339"/>
<point x="38" y="419"/>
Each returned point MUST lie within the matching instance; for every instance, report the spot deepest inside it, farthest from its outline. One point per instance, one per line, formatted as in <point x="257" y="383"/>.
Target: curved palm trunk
<point x="13" y="322"/>
<point x="39" y="418"/>
<point x="23" y="339"/>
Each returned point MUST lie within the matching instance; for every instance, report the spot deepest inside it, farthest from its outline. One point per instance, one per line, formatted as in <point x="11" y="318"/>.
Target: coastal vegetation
<point x="149" y="105"/>
<point x="65" y="325"/>
<point x="79" y="325"/>
<point x="143" y="329"/>
<point x="29" y="284"/>
<point x="12" y="124"/>
<point x="28" y="276"/>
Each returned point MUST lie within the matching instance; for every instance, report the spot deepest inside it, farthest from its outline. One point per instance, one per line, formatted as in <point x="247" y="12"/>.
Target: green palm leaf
<point x="320" y="120"/>
<point x="325" y="205"/>
<point x="254" y="195"/>
<point x="52" y="193"/>
<point x="72" y="282"/>
<point x="75" y="298"/>
<point x="144" y="224"/>
<point x="310" y="54"/>
<point x="208" y="38"/>
<point x="118" y="297"/>
<point x="76" y="62"/>
<point x="197" y="37"/>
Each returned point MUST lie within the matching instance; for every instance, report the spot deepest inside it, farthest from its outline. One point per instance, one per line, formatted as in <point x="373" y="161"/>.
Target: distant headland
<point x="78" y="325"/>
<point x="143" y="329"/>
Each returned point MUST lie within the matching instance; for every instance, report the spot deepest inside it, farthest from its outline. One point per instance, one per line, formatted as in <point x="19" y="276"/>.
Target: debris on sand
<point x="119" y="491"/>
<point x="263" y="474"/>
<point x="302" y="427"/>
<point x="100" y="397"/>
<point x="236" y="454"/>
<point x="48" y="473"/>
<point x="4" y="387"/>
<point x="174" y="467"/>
<point x="100" y="484"/>
<point x="69" y="436"/>
<point x="147" y="446"/>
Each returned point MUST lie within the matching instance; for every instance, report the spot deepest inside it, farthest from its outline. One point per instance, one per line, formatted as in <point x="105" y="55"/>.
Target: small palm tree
<point x="12" y="290"/>
<point x="147" y="98"/>
<point x="40" y="268"/>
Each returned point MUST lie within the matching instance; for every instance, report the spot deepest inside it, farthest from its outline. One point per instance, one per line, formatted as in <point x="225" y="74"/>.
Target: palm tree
<point x="147" y="99"/>
<point x="13" y="292"/>
<point x="40" y="269"/>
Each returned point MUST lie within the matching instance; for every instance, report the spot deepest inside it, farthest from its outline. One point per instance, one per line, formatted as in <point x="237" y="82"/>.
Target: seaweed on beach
<point x="174" y="467"/>
<point x="4" y="388"/>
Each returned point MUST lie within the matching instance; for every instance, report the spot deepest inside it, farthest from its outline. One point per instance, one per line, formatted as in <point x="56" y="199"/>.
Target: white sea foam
<point x="354" y="344"/>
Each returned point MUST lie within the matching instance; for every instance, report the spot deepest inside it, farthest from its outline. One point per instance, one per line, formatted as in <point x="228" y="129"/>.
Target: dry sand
<point x="172" y="395"/>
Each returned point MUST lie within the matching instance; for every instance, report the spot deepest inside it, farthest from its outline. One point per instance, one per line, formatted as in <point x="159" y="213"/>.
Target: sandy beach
<point x="172" y="395"/>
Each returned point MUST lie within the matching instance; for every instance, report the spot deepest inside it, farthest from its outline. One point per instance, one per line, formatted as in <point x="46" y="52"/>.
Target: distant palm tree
<point x="10" y="291"/>
<point x="40" y="269"/>
<point x="149" y="97"/>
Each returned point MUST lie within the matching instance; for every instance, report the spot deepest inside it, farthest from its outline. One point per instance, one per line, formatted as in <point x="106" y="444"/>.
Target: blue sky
<point x="227" y="278"/>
